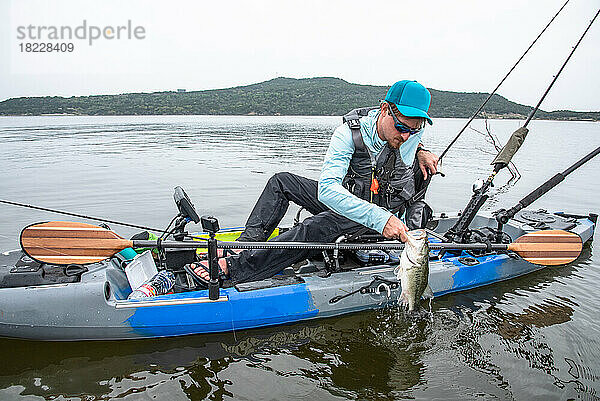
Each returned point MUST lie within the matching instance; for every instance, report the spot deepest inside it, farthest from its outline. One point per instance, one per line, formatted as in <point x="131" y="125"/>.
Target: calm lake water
<point x="532" y="338"/>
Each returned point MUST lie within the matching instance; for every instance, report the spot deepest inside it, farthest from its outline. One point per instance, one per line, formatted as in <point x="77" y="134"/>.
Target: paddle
<point x="62" y="243"/>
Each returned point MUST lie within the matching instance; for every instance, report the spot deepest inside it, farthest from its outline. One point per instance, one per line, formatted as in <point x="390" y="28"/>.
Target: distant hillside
<point x="279" y="96"/>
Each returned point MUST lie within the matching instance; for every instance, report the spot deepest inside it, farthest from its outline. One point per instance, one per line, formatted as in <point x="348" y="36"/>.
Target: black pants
<point x="324" y="226"/>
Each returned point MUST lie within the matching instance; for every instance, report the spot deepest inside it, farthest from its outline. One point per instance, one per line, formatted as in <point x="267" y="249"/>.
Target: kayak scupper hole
<point x="468" y="261"/>
<point x="106" y="290"/>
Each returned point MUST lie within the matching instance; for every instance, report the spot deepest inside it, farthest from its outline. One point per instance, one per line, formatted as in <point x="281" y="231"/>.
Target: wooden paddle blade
<point x="548" y="247"/>
<point x="64" y="242"/>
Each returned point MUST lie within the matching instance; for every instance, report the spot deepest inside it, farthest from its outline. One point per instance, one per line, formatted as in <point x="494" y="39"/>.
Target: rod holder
<point x="211" y="225"/>
<point x="213" y="267"/>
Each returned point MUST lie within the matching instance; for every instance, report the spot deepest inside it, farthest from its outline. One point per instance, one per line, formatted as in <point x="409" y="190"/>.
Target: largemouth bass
<point x="413" y="270"/>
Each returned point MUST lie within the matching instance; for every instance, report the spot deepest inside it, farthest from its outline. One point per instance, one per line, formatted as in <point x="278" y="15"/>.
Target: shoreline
<point x="490" y="117"/>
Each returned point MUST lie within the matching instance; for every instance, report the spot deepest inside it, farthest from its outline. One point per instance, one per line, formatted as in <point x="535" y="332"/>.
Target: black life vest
<point x="384" y="180"/>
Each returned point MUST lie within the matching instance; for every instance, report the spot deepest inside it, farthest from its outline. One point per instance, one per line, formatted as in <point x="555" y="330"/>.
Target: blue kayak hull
<point x="96" y="308"/>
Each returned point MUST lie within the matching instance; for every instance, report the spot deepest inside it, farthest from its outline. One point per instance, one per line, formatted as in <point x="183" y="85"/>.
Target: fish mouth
<point x="417" y="234"/>
<point x="417" y="239"/>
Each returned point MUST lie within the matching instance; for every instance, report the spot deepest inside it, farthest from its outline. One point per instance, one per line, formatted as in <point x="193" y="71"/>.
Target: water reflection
<point x="514" y="326"/>
<point x="492" y="338"/>
<point x="330" y="359"/>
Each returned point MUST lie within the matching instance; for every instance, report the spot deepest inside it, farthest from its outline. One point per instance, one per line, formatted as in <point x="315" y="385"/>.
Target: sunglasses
<point x="400" y="126"/>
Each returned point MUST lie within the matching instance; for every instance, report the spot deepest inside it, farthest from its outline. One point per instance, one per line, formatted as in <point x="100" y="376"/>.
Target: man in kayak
<point x="367" y="171"/>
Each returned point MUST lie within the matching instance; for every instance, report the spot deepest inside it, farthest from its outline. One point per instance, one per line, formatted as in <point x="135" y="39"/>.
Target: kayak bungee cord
<point x="83" y="216"/>
<point x="458" y="231"/>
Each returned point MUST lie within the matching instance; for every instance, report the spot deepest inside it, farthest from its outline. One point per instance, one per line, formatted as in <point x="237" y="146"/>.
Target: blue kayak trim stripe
<point x="491" y="269"/>
<point x="487" y="271"/>
<point x="243" y="310"/>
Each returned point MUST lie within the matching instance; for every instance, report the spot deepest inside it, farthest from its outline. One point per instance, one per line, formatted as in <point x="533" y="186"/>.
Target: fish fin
<point x="403" y="298"/>
<point x="428" y="293"/>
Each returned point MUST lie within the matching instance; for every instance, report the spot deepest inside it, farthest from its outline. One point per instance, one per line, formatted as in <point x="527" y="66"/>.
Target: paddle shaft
<point x="311" y="245"/>
<point x="549" y="247"/>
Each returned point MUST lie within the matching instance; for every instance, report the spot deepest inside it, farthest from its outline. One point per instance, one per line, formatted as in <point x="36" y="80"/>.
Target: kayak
<point x="48" y="302"/>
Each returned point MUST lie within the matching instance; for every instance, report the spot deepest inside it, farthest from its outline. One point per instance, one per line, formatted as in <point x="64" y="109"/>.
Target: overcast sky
<point x="447" y="45"/>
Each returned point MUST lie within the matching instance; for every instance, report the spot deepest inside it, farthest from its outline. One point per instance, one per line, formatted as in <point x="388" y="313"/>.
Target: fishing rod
<point x="499" y="84"/>
<point x="83" y="216"/>
<point x="426" y="183"/>
<point x="503" y="158"/>
<point x="415" y="197"/>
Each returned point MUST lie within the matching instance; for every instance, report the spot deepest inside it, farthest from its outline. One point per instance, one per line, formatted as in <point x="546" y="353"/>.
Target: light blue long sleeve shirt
<point x="335" y="167"/>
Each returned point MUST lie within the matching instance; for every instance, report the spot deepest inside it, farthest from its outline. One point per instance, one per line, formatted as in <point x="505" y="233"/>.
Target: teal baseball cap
<point x="411" y="98"/>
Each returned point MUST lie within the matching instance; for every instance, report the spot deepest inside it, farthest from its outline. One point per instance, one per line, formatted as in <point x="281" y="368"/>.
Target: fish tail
<point x="428" y="293"/>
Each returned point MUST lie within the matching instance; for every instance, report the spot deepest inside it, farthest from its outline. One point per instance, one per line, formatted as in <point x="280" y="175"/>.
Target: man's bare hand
<point x="395" y="229"/>
<point x="427" y="162"/>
